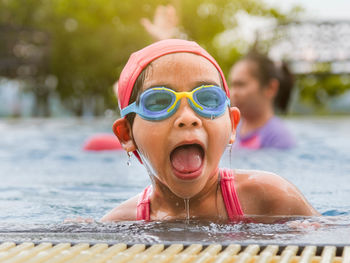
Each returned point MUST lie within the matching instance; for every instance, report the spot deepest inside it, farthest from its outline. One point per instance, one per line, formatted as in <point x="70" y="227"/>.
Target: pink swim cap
<point x="139" y="60"/>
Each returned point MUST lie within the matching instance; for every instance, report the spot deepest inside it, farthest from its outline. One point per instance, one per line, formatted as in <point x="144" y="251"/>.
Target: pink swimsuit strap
<point x="143" y="204"/>
<point x="229" y="195"/>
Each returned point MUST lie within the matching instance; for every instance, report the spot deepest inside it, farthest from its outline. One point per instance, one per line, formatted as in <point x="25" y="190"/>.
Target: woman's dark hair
<point x="266" y="70"/>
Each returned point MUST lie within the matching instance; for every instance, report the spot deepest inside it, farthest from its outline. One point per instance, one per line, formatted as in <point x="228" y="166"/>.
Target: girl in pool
<point x="177" y="120"/>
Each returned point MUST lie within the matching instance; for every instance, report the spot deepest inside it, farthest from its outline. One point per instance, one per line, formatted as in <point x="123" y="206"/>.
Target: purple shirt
<point x="274" y="134"/>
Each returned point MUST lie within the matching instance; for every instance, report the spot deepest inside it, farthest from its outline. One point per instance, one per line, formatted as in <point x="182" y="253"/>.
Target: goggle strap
<point x="128" y="109"/>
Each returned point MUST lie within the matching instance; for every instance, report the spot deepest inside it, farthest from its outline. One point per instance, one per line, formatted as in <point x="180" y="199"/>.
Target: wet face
<point x="245" y="90"/>
<point x="184" y="149"/>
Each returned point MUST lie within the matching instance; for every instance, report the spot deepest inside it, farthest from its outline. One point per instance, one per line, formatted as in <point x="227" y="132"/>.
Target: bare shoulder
<point x="244" y="175"/>
<point x="253" y="179"/>
<point x="266" y="193"/>
<point x="126" y="211"/>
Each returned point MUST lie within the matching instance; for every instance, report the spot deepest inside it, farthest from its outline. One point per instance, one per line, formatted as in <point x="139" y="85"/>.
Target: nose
<point x="186" y="117"/>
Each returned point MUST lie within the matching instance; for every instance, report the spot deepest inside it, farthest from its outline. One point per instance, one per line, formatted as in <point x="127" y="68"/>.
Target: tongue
<point x="187" y="159"/>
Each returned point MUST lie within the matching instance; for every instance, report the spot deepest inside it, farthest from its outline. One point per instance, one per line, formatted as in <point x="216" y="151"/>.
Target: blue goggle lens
<point x="208" y="98"/>
<point x="157" y="101"/>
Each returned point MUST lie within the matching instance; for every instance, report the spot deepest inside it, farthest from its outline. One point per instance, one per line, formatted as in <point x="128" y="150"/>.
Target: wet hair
<point x="266" y="70"/>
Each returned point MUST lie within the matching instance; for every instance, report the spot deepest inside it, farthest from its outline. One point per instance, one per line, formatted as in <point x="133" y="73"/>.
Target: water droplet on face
<point x="128" y="163"/>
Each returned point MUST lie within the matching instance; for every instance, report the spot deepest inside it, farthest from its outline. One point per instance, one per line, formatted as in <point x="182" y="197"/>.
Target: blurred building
<point x="318" y="53"/>
<point x="26" y="83"/>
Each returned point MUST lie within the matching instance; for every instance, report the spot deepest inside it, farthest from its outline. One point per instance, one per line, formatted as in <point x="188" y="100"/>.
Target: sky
<point x="318" y="9"/>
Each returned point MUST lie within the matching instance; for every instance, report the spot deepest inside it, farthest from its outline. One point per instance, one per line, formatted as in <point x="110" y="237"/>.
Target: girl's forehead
<point x="182" y="57"/>
<point x="182" y="67"/>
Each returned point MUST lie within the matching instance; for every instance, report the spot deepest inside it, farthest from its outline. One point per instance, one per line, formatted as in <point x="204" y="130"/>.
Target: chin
<point x="186" y="194"/>
<point x="187" y="189"/>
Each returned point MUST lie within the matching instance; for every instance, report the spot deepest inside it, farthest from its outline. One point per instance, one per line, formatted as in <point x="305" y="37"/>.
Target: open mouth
<point x="187" y="161"/>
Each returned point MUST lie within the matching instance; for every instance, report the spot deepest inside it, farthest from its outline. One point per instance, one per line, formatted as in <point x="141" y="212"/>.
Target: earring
<point x="233" y="140"/>
<point x="128" y="163"/>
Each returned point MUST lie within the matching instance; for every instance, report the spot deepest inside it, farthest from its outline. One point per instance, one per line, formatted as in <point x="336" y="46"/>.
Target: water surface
<point x="46" y="177"/>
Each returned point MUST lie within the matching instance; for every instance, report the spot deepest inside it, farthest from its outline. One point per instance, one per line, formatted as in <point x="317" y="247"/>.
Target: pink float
<point x="102" y="142"/>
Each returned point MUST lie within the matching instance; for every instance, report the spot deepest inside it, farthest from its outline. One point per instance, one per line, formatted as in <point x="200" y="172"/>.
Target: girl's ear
<point x="122" y="130"/>
<point x="235" y="116"/>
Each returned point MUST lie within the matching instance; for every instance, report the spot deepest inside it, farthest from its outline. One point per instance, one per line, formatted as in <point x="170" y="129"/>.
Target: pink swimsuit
<point x="233" y="207"/>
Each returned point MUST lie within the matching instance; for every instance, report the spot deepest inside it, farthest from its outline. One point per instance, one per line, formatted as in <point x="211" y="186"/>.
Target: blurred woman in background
<point x="259" y="87"/>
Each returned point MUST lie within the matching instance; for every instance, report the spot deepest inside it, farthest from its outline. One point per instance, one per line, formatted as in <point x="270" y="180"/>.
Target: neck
<point x="167" y="205"/>
<point x="255" y="121"/>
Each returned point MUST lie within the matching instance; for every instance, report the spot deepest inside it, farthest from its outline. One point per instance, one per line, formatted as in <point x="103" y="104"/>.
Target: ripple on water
<point x="184" y="231"/>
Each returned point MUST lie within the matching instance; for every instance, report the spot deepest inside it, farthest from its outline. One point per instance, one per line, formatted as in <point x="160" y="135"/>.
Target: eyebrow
<point x="207" y="82"/>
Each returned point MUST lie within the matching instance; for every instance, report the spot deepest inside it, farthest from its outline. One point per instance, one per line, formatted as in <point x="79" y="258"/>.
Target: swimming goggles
<point x="159" y="103"/>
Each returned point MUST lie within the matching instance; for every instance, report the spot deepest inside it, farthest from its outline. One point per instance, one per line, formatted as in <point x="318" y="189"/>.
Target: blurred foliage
<point x="317" y="88"/>
<point x="205" y="21"/>
<point x="91" y="40"/>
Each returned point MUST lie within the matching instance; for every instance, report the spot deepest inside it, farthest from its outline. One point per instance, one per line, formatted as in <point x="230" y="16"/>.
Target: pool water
<point x="46" y="177"/>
